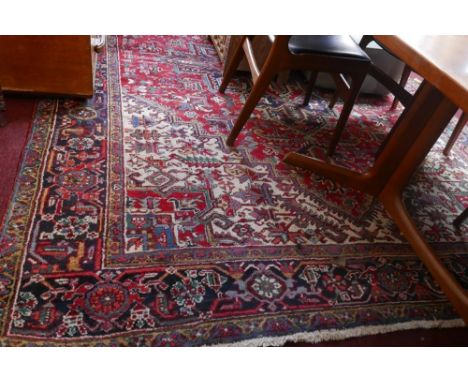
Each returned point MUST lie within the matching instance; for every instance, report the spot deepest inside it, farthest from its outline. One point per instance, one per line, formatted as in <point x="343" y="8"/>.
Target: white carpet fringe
<point x="335" y="335"/>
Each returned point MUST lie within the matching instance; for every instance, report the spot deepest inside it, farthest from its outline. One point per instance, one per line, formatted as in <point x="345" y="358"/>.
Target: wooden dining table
<point x="442" y="61"/>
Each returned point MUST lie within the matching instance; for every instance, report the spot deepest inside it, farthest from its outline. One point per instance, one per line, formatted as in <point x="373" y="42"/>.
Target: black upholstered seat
<point x="342" y="46"/>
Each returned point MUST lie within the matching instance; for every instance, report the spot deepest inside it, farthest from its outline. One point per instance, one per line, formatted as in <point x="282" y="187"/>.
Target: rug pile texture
<point x="132" y="223"/>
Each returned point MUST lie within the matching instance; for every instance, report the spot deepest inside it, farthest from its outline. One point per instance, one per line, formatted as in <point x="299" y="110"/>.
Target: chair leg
<point x="310" y="87"/>
<point x="403" y="80"/>
<point x="357" y="81"/>
<point x="342" y="89"/>
<point x="456" y="132"/>
<point x="258" y="89"/>
<point x="457" y="222"/>
<point x="232" y="65"/>
<point x="335" y="96"/>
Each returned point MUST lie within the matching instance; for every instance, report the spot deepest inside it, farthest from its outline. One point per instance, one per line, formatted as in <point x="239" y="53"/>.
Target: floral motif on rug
<point x="132" y="223"/>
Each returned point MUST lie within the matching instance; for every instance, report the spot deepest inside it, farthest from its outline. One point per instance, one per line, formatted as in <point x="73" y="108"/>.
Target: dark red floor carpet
<point x="12" y="140"/>
<point x="13" y="137"/>
<point x="417" y="337"/>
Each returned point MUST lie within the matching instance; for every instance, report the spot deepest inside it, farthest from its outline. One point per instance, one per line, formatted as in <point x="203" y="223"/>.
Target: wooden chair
<point x="338" y="55"/>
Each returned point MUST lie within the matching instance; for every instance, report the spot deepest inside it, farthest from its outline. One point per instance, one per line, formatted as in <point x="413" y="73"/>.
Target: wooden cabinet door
<point x="47" y="65"/>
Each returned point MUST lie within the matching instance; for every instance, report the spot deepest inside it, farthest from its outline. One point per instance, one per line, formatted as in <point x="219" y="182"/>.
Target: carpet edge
<point x="336" y="335"/>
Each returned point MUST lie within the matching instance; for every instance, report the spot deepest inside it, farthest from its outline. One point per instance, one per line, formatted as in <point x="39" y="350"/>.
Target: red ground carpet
<point x="13" y="137"/>
<point x="131" y="223"/>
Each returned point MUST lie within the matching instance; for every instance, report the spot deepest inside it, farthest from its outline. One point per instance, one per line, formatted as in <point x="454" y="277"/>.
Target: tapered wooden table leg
<point x="449" y="285"/>
<point x="391" y="199"/>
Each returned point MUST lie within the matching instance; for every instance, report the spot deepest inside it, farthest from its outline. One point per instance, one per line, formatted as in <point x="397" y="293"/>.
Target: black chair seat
<point x="341" y="46"/>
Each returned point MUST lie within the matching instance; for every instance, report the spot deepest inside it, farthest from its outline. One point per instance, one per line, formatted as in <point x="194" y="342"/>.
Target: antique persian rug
<point x="132" y="223"/>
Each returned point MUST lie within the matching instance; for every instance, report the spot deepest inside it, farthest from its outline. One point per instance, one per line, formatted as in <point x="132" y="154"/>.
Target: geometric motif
<point x="132" y="223"/>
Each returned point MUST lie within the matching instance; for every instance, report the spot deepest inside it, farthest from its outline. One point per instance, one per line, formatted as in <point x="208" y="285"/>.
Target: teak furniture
<point x="366" y="39"/>
<point x="458" y="127"/>
<point x="338" y="55"/>
<point x="441" y="61"/>
<point x="62" y="65"/>
<point x="453" y="137"/>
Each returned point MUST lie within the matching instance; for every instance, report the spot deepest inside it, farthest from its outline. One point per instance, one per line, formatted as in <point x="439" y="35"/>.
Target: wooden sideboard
<point x="60" y="65"/>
